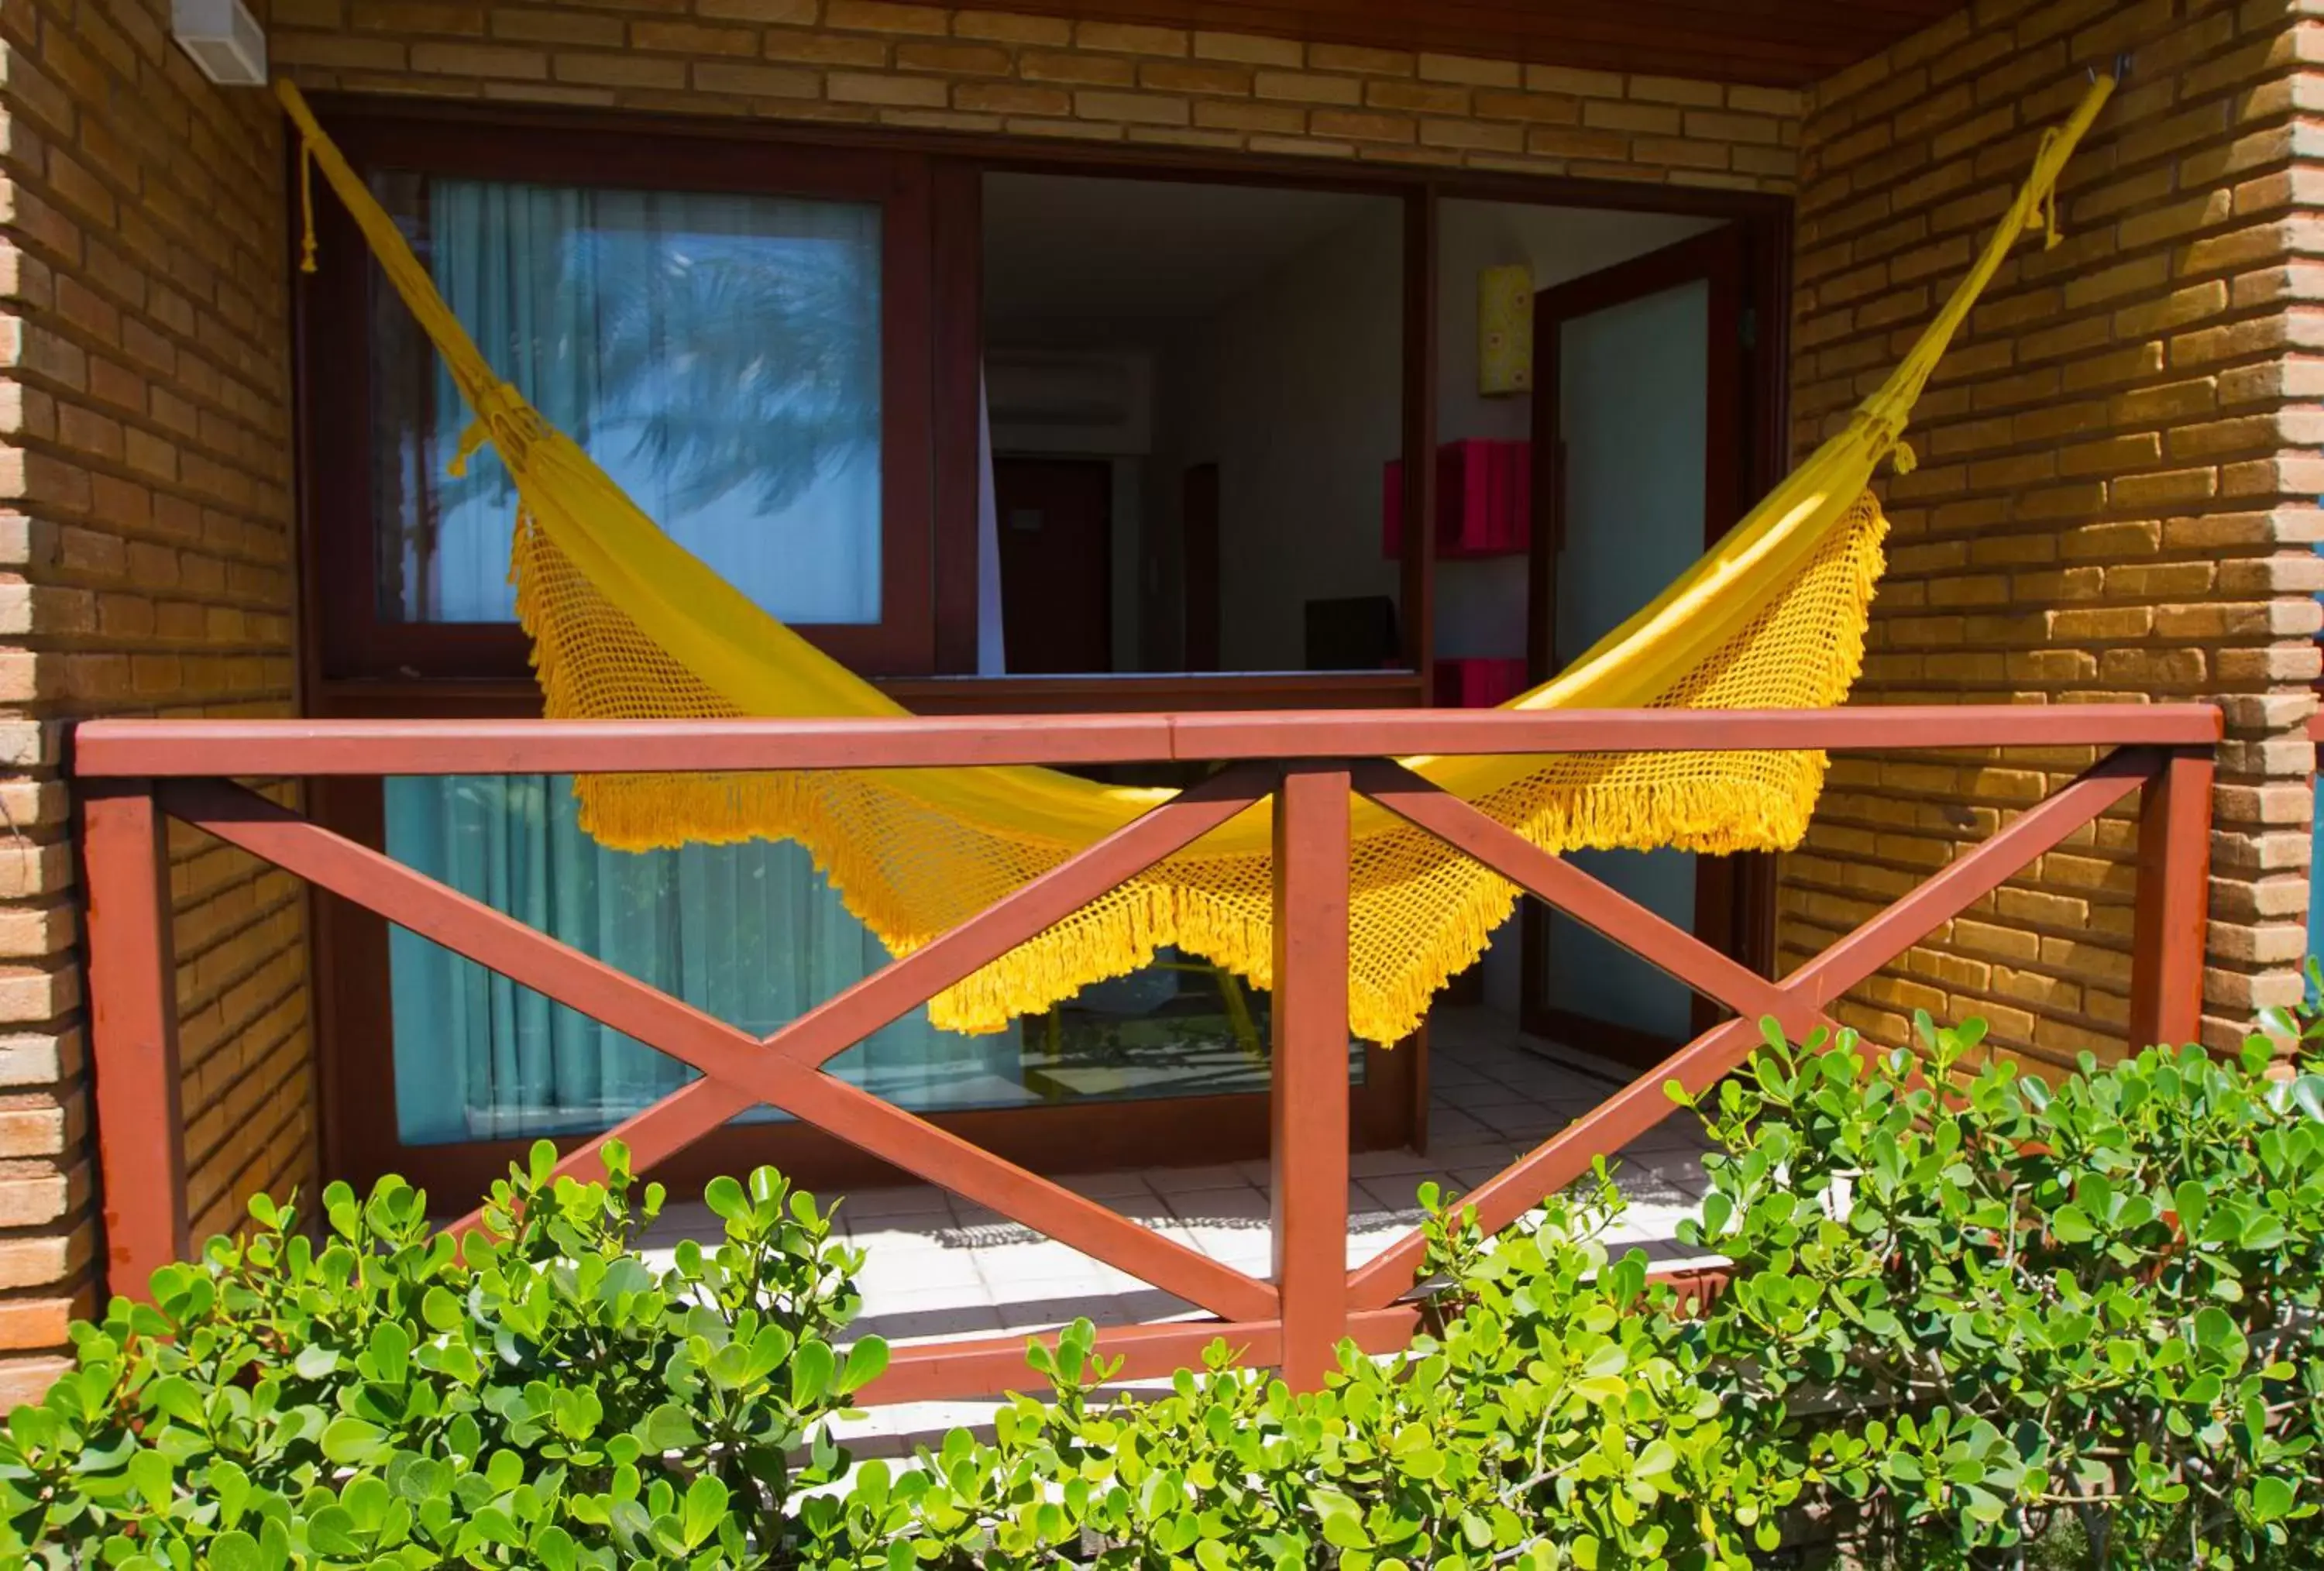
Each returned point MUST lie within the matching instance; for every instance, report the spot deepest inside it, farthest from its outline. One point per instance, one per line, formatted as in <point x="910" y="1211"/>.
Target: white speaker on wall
<point x="224" y="38"/>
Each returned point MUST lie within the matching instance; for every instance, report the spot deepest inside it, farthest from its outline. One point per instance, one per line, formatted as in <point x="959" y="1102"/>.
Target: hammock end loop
<point x="503" y="418"/>
<point x="306" y="203"/>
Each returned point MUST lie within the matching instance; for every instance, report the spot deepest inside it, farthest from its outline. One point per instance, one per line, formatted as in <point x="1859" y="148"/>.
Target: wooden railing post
<point x="133" y="1011"/>
<point x="1309" y="1076"/>
<point x="2173" y="901"/>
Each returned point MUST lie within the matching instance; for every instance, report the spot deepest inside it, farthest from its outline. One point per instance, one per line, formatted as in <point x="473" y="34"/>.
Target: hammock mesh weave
<point x="909" y="870"/>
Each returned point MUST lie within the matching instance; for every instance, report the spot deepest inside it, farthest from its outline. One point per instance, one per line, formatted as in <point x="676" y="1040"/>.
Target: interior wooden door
<point x="1056" y="518"/>
<point x="1639" y="444"/>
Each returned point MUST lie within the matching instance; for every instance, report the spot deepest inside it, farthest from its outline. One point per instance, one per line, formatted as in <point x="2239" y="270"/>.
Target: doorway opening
<point x="1630" y="422"/>
<point x="1233" y="354"/>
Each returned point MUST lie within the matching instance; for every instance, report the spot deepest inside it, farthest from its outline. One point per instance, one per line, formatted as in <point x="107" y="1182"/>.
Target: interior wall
<point x="1294" y="391"/>
<point x="1481" y="606"/>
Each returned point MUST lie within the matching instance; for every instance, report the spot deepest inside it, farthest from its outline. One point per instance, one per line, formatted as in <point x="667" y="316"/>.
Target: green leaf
<point x="352" y="1443"/>
<point x="2069" y="1225"/>
<point x="669" y="1428"/>
<point x="554" y="1548"/>
<point x="441" y="1309"/>
<point x="1339" y="1519"/>
<point x="332" y="1531"/>
<point x="390" y="1350"/>
<point x="812" y="1365"/>
<point x="235" y="1550"/>
<point x="2272" y="1498"/>
<point x="867" y="1360"/>
<point x="725" y="1199"/>
<point x="705" y="1507"/>
<point x="2191" y="1201"/>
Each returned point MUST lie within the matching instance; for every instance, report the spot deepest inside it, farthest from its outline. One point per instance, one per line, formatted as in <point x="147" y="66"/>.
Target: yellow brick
<point x="959" y="59"/>
<point x="688" y="38"/>
<point x="1680" y="151"/>
<point x="1139" y="109"/>
<point x="833" y="48"/>
<point x="1471" y="133"/>
<point x="1095" y="69"/>
<point x="542" y="26"/>
<point x="1362" y="126"/>
<point x="1345" y="56"/>
<point x="1419" y="97"/>
<point x="623" y="70"/>
<point x="1125" y="38"/>
<point x="882" y="16"/>
<point x="770" y="81"/>
<point x="1654" y="118"/>
<point x="477" y="60"/>
<point x="1011" y="98"/>
<point x="1192" y="76"/>
<point x="1011" y="27"/>
<point x="1476" y="73"/>
<point x="1274" y="119"/>
<point x="1248" y="48"/>
<point x="1307" y="87"/>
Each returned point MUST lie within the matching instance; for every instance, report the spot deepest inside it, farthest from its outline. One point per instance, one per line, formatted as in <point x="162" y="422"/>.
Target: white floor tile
<point x="938" y="1267"/>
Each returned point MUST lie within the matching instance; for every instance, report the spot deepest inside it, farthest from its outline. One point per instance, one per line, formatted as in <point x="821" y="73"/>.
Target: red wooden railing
<point x="133" y="773"/>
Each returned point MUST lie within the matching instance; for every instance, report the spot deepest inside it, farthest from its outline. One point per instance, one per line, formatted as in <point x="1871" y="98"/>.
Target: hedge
<point x="1975" y="1318"/>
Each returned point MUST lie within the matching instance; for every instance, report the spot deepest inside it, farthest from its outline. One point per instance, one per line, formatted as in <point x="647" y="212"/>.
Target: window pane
<point x="751" y="933"/>
<point x="718" y="355"/>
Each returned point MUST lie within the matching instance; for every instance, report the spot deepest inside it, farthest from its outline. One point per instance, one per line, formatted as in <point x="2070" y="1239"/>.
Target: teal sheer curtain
<point x="751" y="933"/>
<point x="717" y="355"/>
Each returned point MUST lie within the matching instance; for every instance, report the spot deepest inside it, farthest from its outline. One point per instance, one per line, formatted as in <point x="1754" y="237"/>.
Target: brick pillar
<point x="2117" y="488"/>
<point x="145" y="565"/>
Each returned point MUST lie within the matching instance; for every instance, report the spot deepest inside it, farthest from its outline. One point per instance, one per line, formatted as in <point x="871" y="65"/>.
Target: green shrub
<point x="1982" y="1320"/>
<point x="385" y="1397"/>
<point x="2006" y="1303"/>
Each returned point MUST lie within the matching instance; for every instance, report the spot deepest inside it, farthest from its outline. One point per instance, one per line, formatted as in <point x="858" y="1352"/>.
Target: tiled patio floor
<point x="938" y="1267"/>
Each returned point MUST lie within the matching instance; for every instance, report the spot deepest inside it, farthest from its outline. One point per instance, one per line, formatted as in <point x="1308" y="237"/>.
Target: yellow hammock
<point x="626" y="625"/>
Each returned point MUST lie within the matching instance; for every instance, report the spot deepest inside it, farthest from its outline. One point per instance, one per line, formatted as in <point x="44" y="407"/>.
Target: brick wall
<point x="145" y="565"/>
<point x="869" y="62"/>
<point x="2117" y="488"/>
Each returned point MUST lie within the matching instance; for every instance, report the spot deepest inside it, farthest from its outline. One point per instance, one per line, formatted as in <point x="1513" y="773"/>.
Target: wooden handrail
<point x="171" y="748"/>
<point x="135" y="772"/>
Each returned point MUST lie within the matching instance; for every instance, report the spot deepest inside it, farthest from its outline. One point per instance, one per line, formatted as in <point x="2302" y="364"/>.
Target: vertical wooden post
<point x="133" y="991"/>
<point x="1309" y="1122"/>
<point x="2174" y="902"/>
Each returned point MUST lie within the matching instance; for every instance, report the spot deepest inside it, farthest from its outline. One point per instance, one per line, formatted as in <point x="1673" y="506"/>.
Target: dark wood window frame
<point x="356" y="639"/>
<point x="354" y="664"/>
